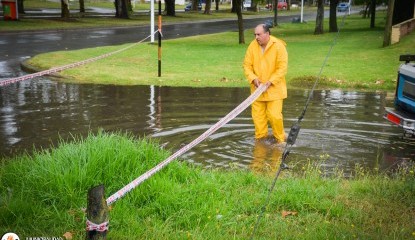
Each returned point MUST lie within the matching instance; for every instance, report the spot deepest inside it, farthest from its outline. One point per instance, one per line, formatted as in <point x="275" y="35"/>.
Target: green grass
<point x="357" y="61"/>
<point x="44" y="195"/>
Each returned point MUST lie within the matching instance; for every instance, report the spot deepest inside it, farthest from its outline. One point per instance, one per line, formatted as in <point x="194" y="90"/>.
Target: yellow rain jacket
<point x="270" y="65"/>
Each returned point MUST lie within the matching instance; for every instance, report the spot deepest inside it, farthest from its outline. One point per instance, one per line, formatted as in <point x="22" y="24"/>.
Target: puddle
<point x="344" y="127"/>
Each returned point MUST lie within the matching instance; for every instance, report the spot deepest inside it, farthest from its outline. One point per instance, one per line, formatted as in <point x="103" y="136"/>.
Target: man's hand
<point x="268" y="84"/>
<point x="256" y="82"/>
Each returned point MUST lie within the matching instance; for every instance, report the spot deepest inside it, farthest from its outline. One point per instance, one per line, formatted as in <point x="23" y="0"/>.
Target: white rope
<point x="235" y="112"/>
<point x="102" y="227"/>
<point x="61" y="68"/>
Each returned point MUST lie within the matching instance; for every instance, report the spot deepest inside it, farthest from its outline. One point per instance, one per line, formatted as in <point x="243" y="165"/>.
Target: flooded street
<point x="344" y="127"/>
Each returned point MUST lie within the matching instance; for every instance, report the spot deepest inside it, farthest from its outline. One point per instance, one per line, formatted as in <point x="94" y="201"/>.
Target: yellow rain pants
<point x="264" y="111"/>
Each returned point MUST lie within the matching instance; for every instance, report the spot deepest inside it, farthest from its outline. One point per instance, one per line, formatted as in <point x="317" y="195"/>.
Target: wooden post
<point x="97" y="214"/>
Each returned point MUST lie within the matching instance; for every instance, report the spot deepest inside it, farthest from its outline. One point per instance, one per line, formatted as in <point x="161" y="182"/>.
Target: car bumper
<point x="402" y="119"/>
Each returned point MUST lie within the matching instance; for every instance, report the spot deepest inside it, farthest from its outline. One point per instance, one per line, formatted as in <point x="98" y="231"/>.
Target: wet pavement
<point x="344" y="127"/>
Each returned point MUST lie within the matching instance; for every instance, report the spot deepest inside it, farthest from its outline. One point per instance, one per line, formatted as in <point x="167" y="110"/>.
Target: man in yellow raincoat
<point x="265" y="62"/>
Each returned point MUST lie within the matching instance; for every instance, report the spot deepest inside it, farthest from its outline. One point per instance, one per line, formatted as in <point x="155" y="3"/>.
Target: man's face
<point x="261" y="36"/>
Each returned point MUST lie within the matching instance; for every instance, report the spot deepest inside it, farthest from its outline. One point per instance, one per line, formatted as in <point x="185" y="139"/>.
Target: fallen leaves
<point x="288" y="213"/>
<point x="67" y="235"/>
<point x="380" y="82"/>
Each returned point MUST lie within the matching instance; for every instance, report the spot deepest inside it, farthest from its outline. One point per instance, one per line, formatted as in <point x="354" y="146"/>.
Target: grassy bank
<point x="357" y="60"/>
<point x="44" y="194"/>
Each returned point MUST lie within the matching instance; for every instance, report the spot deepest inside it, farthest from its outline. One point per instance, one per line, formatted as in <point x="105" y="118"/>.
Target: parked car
<point x="403" y="112"/>
<point x="343" y="7"/>
<point x="282" y="4"/>
<point x="189" y="7"/>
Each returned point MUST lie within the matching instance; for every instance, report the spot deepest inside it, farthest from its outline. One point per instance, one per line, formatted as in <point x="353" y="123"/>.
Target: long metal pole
<point x="152" y="20"/>
<point x="302" y="10"/>
<point x="159" y="34"/>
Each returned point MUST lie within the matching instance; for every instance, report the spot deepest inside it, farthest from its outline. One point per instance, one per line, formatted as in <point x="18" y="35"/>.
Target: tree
<point x="319" y="18"/>
<point x="388" y="25"/>
<point x="333" y="16"/>
<point x="65" y="9"/>
<point x="121" y="9"/>
<point x="372" y="13"/>
<point x="81" y="6"/>
<point x="195" y="5"/>
<point x="20" y="6"/>
<point x="238" y="8"/>
<point x="234" y="7"/>
<point x="170" y="7"/>
<point x="217" y="5"/>
<point x="275" y="6"/>
<point x="208" y="6"/>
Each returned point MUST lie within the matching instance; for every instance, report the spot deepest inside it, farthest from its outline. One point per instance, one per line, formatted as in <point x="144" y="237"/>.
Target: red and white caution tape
<point x="72" y="65"/>
<point x="235" y="112"/>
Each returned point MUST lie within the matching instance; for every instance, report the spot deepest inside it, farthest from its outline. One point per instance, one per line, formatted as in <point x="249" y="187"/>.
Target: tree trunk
<point x="372" y="13"/>
<point x="333" y="16"/>
<point x="121" y="9"/>
<point x="217" y="5"/>
<point x="82" y="6"/>
<point x="170" y="8"/>
<point x="365" y="11"/>
<point x="208" y="6"/>
<point x="20" y="6"/>
<point x="129" y="6"/>
<point x="117" y="6"/>
<point x="238" y="8"/>
<point x="65" y="9"/>
<point x="195" y="4"/>
<point x="319" y="18"/>
<point x="388" y="25"/>
<point x="275" y="6"/>
<point x="234" y="8"/>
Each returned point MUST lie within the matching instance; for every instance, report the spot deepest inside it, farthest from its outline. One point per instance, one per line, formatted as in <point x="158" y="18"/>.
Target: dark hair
<point x="266" y="27"/>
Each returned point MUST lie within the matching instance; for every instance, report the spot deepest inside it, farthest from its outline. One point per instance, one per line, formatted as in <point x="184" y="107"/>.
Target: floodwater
<point x="343" y="127"/>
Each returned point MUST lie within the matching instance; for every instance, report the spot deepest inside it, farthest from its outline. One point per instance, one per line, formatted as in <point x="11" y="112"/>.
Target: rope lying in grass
<point x="72" y="65"/>
<point x="235" y="112"/>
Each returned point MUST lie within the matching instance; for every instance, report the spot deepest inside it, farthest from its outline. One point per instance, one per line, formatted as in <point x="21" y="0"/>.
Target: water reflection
<point x="346" y="125"/>
<point x="266" y="157"/>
